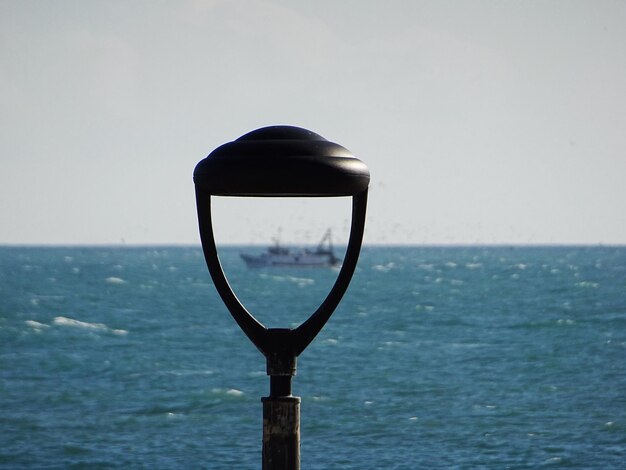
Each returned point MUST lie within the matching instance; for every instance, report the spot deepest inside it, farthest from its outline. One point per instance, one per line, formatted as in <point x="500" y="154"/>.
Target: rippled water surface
<point x="507" y="357"/>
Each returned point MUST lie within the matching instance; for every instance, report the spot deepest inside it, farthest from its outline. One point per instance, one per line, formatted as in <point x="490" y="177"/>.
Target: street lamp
<point x="281" y="161"/>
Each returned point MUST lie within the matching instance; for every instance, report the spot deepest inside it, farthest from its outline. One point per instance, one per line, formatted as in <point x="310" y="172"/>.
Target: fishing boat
<point x="281" y="256"/>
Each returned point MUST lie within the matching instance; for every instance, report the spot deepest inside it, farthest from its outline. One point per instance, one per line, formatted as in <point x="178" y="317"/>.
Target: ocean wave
<point x="299" y="281"/>
<point x="467" y="345"/>
<point x="318" y="398"/>
<point x="426" y="307"/>
<point x="230" y="392"/>
<point x="36" y="325"/>
<point x="384" y="268"/>
<point x="187" y="372"/>
<point x="587" y="284"/>
<point x="257" y="373"/>
<point x="71" y="322"/>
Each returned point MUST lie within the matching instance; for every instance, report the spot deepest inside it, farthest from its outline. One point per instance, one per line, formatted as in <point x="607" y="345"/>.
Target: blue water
<point x="507" y="357"/>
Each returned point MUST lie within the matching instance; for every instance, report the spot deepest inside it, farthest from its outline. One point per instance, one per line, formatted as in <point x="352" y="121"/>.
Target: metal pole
<point x="281" y="433"/>
<point x="281" y="410"/>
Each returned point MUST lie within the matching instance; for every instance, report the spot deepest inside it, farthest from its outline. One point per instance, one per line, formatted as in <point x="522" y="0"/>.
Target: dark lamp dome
<point x="281" y="161"/>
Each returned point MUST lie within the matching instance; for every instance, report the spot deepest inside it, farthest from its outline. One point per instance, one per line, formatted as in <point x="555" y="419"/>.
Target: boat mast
<point x="326" y="237"/>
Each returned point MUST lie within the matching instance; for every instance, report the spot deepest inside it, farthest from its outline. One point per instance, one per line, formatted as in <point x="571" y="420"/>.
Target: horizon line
<point x="365" y="245"/>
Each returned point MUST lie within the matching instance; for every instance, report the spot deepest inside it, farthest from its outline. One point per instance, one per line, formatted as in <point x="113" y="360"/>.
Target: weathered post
<point x="281" y="410"/>
<point x="270" y="162"/>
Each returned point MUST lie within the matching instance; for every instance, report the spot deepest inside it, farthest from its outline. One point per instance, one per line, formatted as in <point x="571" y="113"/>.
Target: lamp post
<point x="281" y="161"/>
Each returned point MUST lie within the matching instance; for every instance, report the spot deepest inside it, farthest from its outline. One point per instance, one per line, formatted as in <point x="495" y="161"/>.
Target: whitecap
<point x="301" y="281"/>
<point x="331" y="341"/>
<point x="232" y="392"/>
<point x="64" y="321"/>
<point x="318" y="398"/>
<point x="427" y="307"/>
<point x="73" y="323"/>
<point x="473" y="265"/>
<point x="467" y="345"/>
<point x="115" y="280"/>
<point x="450" y="264"/>
<point x="587" y="284"/>
<point x="36" y="325"/>
<point x="186" y="372"/>
<point x="384" y="268"/>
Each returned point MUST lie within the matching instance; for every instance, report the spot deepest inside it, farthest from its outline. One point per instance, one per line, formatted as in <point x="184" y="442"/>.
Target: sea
<point x="438" y="357"/>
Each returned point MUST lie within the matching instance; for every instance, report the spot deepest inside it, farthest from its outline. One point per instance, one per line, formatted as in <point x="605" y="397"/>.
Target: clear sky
<point x="480" y="121"/>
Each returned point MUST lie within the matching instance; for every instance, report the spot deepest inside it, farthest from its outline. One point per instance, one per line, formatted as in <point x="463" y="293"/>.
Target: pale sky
<point x="481" y="121"/>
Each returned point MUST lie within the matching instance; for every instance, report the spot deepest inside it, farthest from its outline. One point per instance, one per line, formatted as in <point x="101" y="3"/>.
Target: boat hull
<point x="289" y="261"/>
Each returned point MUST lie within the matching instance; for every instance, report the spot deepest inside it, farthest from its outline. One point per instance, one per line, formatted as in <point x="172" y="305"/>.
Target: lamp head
<point x="282" y="161"/>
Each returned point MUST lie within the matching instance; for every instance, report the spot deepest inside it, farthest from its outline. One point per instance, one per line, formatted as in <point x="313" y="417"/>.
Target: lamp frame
<point x="276" y="343"/>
